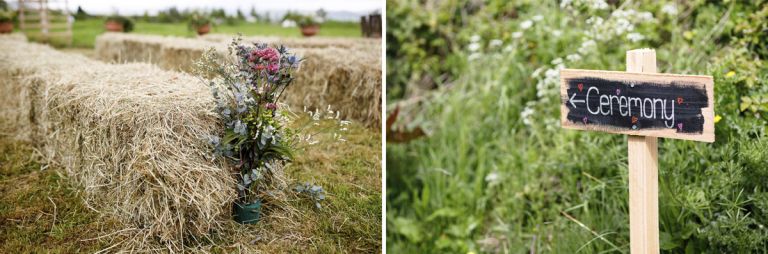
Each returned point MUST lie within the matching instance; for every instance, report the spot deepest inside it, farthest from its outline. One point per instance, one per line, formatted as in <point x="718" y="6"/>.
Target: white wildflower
<point x="526" y="24"/>
<point x="557" y="33"/>
<point x="474" y="38"/>
<point x="474" y="46"/>
<point x="517" y="35"/>
<point x="537" y="18"/>
<point x="669" y="9"/>
<point x="492" y="177"/>
<point x="573" y="57"/>
<point x="635" y="37"/>
<point x="595" y="21"/>
<point x="623" y="26"/>
<point x="557" y="61"/>
<point x="508" y="48"/>
<point x="565" y="3"/>
<point x="473" y="56"/>
<point x="645" y="16"/>
<point x="598" y="4"/>
<point x="537" y="72"/>
<point x="526" y="114"/>
<point x="587" y="46"/>
<point x="495" y="43"/>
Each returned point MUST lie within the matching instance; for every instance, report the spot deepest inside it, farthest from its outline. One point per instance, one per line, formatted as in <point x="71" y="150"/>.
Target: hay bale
<point x="303" y="42"/>
<point x="348" y="79"/>
<point x="132" y="135"/>
<point x="20" y="37"/>
<point x="122" y="47"/>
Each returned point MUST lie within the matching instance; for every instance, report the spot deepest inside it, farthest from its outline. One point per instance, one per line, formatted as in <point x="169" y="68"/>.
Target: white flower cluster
<point x="475" y="46"/>
<point x="669" y="9"/>
<point x="620" y="23"/>
<point x="591" y="4"/>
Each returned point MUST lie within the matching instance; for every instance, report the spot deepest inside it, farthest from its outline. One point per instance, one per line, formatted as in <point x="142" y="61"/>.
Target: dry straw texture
<point x="335" y="72"/>
<point x="14" y="37"/>
<point x="132" y="135"/>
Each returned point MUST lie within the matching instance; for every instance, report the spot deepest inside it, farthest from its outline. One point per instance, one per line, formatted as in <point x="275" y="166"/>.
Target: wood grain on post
<point x="643" y="156"/>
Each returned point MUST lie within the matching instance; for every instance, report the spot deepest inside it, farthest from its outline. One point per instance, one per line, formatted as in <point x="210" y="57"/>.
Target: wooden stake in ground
<point x="643" y="154"/>
<point x="644" y="105"/>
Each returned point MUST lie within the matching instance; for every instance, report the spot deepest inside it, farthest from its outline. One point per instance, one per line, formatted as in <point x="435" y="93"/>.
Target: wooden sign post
<point x="644" y="105"/>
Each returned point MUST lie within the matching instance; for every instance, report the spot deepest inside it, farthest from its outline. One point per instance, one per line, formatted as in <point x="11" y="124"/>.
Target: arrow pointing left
<point x="572" y="100"/>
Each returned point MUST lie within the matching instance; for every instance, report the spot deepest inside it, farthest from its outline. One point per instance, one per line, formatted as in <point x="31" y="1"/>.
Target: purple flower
<point x="271" y="106"/>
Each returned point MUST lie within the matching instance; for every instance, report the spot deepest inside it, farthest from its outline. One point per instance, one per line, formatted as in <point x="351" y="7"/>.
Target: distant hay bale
<point x="14" y="37"/>
<point x="348" y="80"/>
<point x="121" y="47"/>
<point x="346" y="77"/>
<point x="131" y="134"/>
<point x="303" y="42"/>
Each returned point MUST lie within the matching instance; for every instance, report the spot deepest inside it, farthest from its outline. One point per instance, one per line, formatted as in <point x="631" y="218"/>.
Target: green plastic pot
<point x="248" y="213"/>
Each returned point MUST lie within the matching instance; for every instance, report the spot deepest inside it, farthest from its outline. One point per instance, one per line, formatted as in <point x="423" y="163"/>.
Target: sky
<point x="137" y="7"/>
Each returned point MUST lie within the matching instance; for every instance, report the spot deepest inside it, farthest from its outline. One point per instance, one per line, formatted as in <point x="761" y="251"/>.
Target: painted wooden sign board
<point x="643" y="104"/>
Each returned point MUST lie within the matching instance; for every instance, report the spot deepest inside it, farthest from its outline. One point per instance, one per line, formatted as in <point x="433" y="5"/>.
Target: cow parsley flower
<point x="669" y="9"/>
<point x="635" y="37"/>
<point x="526" y="114"/>
<point x="495" y="43"/>
<point x="473" y="46"/>
<point x="573" y="57"/>
<point x="587" y="47"/>
<point x="526" y="24"/>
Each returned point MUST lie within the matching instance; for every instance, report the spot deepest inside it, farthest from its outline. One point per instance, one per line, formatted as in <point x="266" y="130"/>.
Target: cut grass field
<point x="41" y="212"/>
<point x="85" y="31"/>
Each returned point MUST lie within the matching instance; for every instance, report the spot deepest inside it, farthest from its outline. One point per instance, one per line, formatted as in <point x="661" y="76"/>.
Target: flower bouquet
<point x="256" y="141"/>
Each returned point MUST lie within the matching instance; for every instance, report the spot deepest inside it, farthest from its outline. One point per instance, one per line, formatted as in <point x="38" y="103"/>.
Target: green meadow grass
<point x="497" y="174"/>
<point x="85" y="31"/>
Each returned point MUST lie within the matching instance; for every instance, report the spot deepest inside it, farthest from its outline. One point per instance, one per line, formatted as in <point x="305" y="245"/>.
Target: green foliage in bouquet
<point x="256" y="139"/>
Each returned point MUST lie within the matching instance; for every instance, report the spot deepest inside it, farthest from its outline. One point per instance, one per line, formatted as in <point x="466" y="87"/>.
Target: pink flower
<point x="271" y="106"/>
<point x="273" y="68"/>
<point x="266" y="54"/>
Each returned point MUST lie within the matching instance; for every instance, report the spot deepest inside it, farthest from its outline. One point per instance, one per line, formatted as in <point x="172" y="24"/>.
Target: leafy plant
<point x="314" y="192"/>
<point x="307" y="20"/>
<point x="7" y="15"/>
<point x="125" y="22"/>
<point x="197" y="21"/>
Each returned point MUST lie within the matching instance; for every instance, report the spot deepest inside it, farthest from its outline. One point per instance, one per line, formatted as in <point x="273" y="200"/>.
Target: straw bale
<point x="347" y="78"/>
<point x="131" y="134"/>
<point x="14" y="37"/>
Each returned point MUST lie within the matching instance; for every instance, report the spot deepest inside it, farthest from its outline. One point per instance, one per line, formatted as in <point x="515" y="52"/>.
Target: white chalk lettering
<point x="649" y="108"/>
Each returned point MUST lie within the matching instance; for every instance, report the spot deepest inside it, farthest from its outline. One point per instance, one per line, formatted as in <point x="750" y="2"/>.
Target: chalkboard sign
<point x="645" y="104"/>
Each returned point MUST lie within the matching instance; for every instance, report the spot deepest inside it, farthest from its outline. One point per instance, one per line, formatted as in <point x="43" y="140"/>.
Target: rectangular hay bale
<point x="348" y="78"/>
<point x="132" y="135"/>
